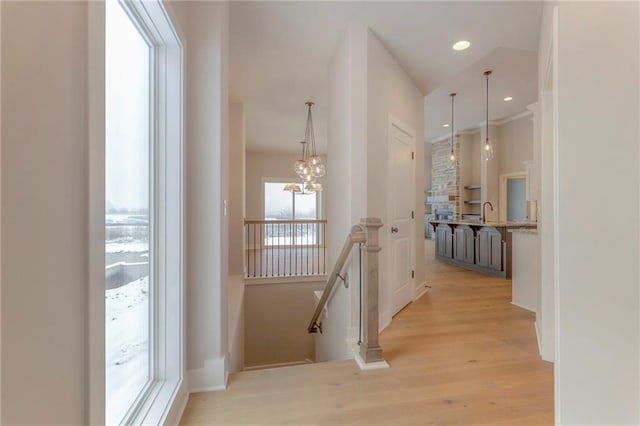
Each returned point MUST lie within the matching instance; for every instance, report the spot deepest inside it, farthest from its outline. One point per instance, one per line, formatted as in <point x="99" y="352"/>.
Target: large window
<point x="128" y="222"/>
<point x="298" y="210"/>
<point x="143" y="226"/>
<point x="284" y="205"/>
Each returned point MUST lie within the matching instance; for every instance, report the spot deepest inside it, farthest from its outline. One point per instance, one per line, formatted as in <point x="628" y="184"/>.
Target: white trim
<point x="535" y="326"/>
<point x="473" y="130"/>
<point x="318" y="195"/>
<point x="352" y="342"/>
<point x="502" y="192"/>
<point x="371" y="365"/>
<point x="421" y="290"/>
<point x="278" y="365"/>
<point x="526" y="308"/>
<point x="156" y="402"/>
<point x="511" y="118"/>
<point x="556" y="234"/>
<point x="211" y="377"/>
<point x="0" y="212"/>
<point x="384" y="319"/>
<point x="95" y="189"/>
<point x="177" y="408"/>
<point x="470" y="131"/>
<point x="393" y="121"/>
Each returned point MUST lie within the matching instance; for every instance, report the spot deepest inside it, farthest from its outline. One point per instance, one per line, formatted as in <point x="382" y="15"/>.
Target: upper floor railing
<point x="284" y="248"/>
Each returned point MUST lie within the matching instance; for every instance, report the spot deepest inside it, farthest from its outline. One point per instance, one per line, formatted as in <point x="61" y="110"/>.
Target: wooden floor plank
<point x="459" y="355"/>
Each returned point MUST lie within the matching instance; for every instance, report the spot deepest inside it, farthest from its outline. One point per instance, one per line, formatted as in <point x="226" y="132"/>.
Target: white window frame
<point x="318" y="196"/>
<point x="167" y="338"/>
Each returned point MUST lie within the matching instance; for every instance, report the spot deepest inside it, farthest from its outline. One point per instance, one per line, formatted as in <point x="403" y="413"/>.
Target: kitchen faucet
<point x="484" y="214"/>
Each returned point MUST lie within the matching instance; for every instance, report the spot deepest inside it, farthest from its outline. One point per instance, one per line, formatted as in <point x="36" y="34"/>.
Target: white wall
<point x="489" y="172"/>
<point x="427" y="171"/>
<point x="469" y="165"/>
<point x="276" y="319"/>
<point x="465" y="161"/>
<point x="598" y="299"/>
<point x="236" y="207"/>
<point x="207" y="186"/>
<point x="262" y="165"/>
<point x="546" y="220"/>
<point x="44" y="210"/>
<point x="516" y="144"/>
<point x="366" y="85"/>
<point x="346" y="146"/>
<point x="476" y="143"/>
<point x="390" y="91"/>
<point x="235" y="323"/>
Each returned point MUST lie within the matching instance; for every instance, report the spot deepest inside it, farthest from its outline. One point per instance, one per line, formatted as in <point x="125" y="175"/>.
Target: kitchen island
<point x="482" y="247"/>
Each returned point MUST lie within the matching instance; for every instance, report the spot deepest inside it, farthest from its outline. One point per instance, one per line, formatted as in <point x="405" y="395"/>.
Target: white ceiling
<point x="514" y="73"/>
<point x="280" y="52"/>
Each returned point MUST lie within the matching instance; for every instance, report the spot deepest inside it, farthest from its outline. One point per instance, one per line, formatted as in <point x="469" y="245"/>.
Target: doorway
<point x="513" y="197"/>
<point x="400" y="211"/>
<point x="516" y="200"/>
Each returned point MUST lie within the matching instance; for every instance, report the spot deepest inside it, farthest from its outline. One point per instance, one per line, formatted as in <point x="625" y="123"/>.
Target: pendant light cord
<point x="486" y="140"/>
<point x="309" y="134"/>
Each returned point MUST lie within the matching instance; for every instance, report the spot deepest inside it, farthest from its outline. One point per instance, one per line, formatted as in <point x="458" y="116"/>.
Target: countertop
<point x="521" y="224"/>
<point x="527" y="231"/>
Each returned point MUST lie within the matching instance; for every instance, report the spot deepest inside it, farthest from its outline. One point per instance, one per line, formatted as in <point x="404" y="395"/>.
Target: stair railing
<point x="365" y="234"/>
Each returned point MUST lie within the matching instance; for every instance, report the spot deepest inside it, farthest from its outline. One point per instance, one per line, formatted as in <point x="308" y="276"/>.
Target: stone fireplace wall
<point x="445" y="181"/>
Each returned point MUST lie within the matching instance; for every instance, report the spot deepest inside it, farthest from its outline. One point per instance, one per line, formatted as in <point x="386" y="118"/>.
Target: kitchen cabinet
<point x="477" y="246"/>
<point x="489" y="248"/>
<point x="444" y="242"/>
<point x="463" y="244"/>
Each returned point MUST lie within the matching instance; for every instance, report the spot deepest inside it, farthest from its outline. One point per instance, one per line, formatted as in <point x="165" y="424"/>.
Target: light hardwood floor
<point x="459" y="355"/>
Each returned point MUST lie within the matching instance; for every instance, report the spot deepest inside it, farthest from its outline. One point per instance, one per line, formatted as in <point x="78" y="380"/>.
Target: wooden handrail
<point x="257" y="222"/>
<point x="357" y="235"/>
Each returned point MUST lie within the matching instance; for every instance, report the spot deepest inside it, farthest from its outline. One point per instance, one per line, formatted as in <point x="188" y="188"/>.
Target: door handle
<point x="394" y="229"/>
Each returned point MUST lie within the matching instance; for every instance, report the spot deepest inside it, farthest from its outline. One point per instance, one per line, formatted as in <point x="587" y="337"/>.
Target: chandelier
<point x="310" y="166"/>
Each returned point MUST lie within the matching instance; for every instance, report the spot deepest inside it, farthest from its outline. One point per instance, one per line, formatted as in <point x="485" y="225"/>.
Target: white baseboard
<point x="352" y="346"/>
<point x="211" y="377"/>
<point x="523" y="307"/>
<point x="177" y="407"/>
<point x="421" y="290"/>
<point x="535" y="326"/>
<point x="281" y="364"/>
<point x="385" y="320"/>
<point x="371" y="365"/>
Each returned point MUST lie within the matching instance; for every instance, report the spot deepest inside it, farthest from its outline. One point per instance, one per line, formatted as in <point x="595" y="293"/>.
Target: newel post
<point x="370" y="350"/>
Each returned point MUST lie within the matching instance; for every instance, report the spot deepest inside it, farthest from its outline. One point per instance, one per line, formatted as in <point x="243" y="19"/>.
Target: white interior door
<point x="401" y="200"/>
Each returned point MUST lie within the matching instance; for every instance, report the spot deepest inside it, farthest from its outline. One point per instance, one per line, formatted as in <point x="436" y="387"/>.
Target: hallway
<point x="460" y="354"/>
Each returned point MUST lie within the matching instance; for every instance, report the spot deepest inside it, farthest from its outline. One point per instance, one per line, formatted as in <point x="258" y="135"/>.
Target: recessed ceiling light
<point x="507" y="99"/>
<point x="461" y="45"/>
<point x="445" y="125"/>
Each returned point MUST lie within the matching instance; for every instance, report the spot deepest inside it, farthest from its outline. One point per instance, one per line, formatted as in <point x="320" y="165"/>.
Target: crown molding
<point x="511" y="118"/>
<point x="480" y="125"/>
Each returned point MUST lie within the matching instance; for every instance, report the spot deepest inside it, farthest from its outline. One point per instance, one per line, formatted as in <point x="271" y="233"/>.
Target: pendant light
<point x="487" y="149"/>
<point x="310" y="166"/>
<point x="452" y="162"/>
<point x="317" y="167"/>
<point x="301" y="166"/>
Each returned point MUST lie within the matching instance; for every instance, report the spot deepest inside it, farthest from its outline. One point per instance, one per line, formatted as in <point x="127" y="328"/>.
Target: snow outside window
<point x="284" y="205"/>
<point x="128" y="223"/>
